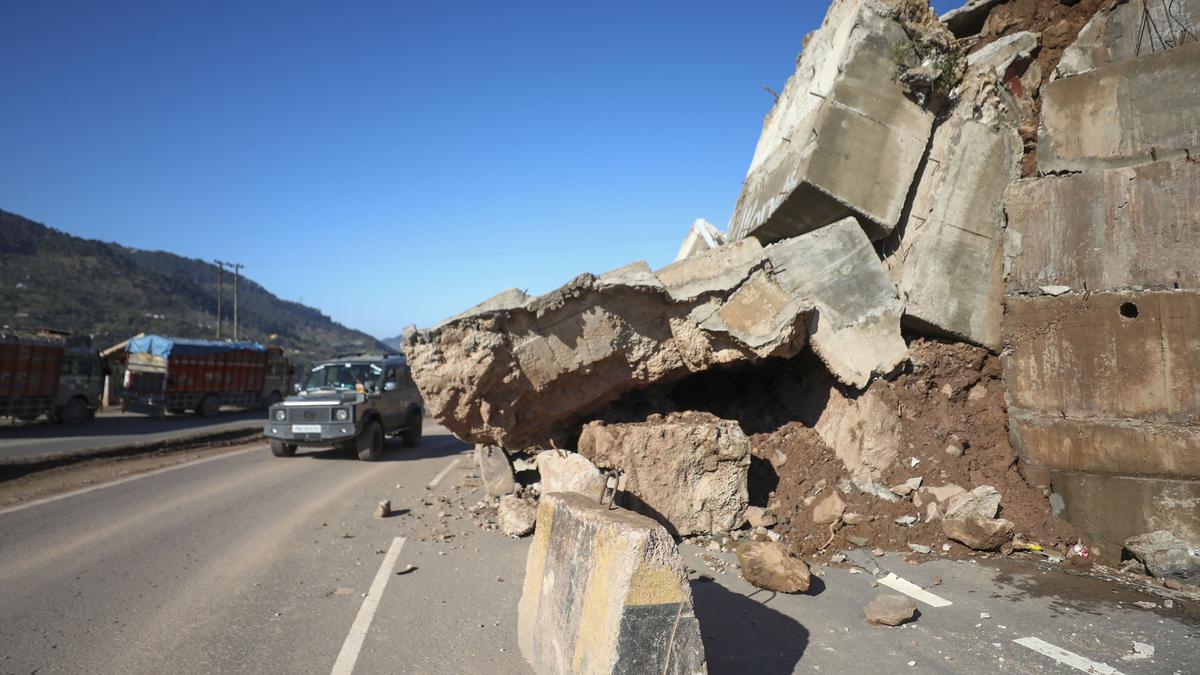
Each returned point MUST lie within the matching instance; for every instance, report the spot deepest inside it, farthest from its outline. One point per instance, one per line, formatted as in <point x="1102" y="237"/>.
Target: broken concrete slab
<point x="1122" y="228"/>
<point x="890" y="609"/>
<point x="1108" y="510"/>
<point x="605" y="591"/>
<point x="563" y="471"/>
<point x="843" y="138"/>
<point x="702" y="236"/>
<point x="1123" y="114"/>
<point x="494" y="470"/>
<point x="864" y="433"/>
<point x="515" y="516"/>
<point x="997" y="56"/>
<point x="968" y="19"/>
<point x="857" y="331"/>
<point x="769" y="565"/>
<point x="983" y="502"/>
<point x="950" y="258"/>
<point x="1116" y="34"/>
<point x="1166" y="556"/>
<point x="686" y="470"/>
<point x="520" y="377"/>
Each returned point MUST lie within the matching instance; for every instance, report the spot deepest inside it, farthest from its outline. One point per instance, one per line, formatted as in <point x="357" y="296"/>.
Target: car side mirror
<point x="389" y="386"/>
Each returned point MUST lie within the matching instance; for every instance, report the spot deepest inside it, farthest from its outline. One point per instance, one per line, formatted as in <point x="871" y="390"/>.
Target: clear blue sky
<point x="389" y="163"/>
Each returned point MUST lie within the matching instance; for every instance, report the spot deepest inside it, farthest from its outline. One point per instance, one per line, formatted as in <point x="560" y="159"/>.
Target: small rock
<point x="383" y="509"/>
<point x="977" y="392"/>
<point x="1055" y="291"/>
<point x="890" y="609"/>
<point x="769" y="565"/>
<point x="1058" y="505"/>
<point x="877" y="552"/>
<point x="757" y="516"/>
<point x="906" y="488"/>
<point x="946" y="548"/>
<point x="1141" y="650"/>
<point x="856" y="540"/>
<point x="983" y="501"/>
<point x="981" y="534"/>
<point x="515" y="516"/>
<point x="906" y="521"/>
<point x="1168" y="603"/>
<point x="1146" y="605"/>
<point x="855" y="518"/>
<point x="837" y="558"/>
<point x="408" y="569"/>
<point x="920" y="548"/>
<point x="829" y="509"/>
<point x="984" y="615"/>
<point x="873" y="584"/>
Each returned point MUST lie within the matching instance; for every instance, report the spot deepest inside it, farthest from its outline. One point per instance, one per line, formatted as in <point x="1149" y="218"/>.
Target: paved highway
<point x="250" y="563"/>
<point x="114" y="430"/>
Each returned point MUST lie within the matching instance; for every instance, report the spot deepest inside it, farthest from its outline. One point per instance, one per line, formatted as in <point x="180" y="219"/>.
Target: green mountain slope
<point x="50" y="279"/>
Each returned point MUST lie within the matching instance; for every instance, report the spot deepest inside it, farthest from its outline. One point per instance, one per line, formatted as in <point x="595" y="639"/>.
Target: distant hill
<point x="51" y="279"/>
<point x="394" y="342"/>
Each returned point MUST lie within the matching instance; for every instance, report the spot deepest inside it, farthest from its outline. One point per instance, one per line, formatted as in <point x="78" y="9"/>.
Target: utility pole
<point x="236" y="267"/>
<point x="220" y="292"/>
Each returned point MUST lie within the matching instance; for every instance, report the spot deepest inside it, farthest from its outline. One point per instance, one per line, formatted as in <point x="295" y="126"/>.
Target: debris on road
<point x="769" y="565"/>
<point x="494" y="470"/>
<point x="890" y="609"/>
<point x="1166" y="556"/>
<point x="515" y="516"/>
<point x="383" y="509"/>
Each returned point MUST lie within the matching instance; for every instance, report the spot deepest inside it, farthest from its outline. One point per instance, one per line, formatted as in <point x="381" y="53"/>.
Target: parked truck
<point x="165" y="374"/>
<point x="49" y="375"/>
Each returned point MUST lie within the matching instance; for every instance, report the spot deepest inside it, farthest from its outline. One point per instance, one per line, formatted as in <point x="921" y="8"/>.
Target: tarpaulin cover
<point x="158" y="345"/>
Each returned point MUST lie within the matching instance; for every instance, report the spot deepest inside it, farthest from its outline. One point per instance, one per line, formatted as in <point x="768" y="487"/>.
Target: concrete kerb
<point x="14" y="468"/>
<point x="605" y="591"/>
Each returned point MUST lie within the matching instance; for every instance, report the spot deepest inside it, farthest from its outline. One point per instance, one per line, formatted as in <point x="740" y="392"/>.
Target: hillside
<point x="50" y="279"/>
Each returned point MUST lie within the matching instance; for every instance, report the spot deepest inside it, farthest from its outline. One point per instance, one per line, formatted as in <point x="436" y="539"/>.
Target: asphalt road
<point x="251" y="563"/>
<point x="115" y="430"/>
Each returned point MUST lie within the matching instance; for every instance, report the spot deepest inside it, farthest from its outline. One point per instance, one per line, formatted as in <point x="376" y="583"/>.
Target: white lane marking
<point x="913" y="591"/>
<point x="127" y="479"/>
<point x="1066" y="658"/>
<point x="442" y="474"/>
<point x="358" y="631"/>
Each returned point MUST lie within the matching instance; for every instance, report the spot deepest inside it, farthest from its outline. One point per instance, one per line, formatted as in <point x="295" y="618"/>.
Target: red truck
<point x="164" y="374"/>
<point x="49" y="375"/>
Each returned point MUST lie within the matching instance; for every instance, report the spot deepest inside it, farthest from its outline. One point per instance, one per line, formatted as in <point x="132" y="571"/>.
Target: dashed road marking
<point x="913" y="591"/>
<point x="1065" y="657"/>
<point x="442" y="474"/>
<point x="121" y="481"/>
<point x="362" y="623"/>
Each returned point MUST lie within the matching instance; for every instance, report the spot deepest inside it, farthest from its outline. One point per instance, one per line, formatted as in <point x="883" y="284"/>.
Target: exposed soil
<point x="949" y="392"/>
<point x="1059" y="25"/>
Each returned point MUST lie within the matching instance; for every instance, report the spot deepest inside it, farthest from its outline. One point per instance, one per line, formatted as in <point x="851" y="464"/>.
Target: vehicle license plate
<point x="306" y="428"/>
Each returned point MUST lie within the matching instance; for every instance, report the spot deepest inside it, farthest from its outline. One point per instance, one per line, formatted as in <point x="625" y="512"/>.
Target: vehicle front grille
<point x="308" y="415"/>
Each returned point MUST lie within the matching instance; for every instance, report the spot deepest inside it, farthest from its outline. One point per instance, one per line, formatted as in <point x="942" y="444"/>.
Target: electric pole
<point x="236" y="267"/>
<point x="220" y="292"/>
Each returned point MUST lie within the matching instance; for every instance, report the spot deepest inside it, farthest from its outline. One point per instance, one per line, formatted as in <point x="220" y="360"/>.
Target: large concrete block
<point x="605" y="591"/>
<point x="518" y="374"/>
<point x="1120" y="33"/>
<point x="968" y="19"/>
<point x="843" y="138"/>
<point x="1107" y="509"/>
<point x="1122" y="228"/>
<point x="1106" y="356"/>
<point x="1116" y="446"/>
<point x="857" y="332"/>
<point x="686" y="470"/>
<point x="1123" y="114"/>
<point x="949" y="264"/>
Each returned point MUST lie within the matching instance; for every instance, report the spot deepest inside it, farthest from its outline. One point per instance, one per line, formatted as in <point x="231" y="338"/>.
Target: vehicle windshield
<point x="343" y="376"/>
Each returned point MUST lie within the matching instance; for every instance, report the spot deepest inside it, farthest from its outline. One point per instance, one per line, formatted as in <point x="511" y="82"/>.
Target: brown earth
<point x="1059" y="26"/>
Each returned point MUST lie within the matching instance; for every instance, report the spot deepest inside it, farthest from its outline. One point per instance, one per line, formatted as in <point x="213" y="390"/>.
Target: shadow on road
<point x="742" y="635"/>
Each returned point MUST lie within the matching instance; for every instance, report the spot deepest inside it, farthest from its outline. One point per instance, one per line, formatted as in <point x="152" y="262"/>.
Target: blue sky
<point x="389" y="163"/>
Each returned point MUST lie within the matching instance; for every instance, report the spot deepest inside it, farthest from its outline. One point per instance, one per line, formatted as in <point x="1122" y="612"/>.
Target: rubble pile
<point x="921" y="329"/>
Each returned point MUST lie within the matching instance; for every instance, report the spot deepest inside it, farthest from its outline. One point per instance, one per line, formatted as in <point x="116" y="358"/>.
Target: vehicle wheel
<point x="370" y="443"/>
<point x="209" y="406"/>
<point x="74" y="412"/>
<point x="281" y="449"/>
<point x="412" y="433"/>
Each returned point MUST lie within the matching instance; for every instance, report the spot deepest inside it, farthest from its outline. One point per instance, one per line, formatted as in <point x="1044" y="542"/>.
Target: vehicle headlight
<point x="281" y="414"/>
<point x="342" y="414"/>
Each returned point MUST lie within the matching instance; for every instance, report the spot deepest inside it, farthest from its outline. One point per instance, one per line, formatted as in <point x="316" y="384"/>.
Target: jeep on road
<point x="349" y="402"/>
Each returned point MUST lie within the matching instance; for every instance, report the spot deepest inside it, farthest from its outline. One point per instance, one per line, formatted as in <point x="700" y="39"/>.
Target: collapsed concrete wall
<point x="1123" y="114"/>
<point x="702" y="236"/>
<point x="518" y="373"/>
<point x="843" y="138"/>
